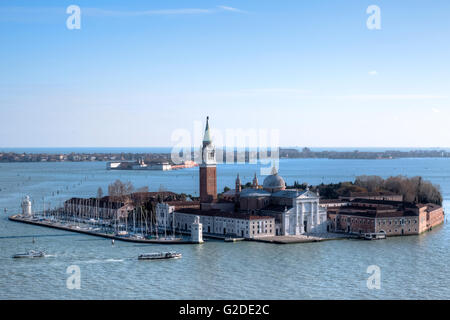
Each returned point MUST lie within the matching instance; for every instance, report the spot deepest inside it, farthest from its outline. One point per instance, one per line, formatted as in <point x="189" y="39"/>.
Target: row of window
<point x="368" y="221"/>
<point x="401" y="222"/>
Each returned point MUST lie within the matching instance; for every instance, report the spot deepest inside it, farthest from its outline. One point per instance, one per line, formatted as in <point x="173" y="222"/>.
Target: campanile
<point x="208" y="177"/>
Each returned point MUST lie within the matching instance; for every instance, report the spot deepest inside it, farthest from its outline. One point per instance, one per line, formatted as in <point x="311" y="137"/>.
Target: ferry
<point x="159" y="255"/>
<point x="30" y="254"/>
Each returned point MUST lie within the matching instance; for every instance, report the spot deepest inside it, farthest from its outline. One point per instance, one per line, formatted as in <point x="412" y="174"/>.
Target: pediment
<point x="308" y="195"/>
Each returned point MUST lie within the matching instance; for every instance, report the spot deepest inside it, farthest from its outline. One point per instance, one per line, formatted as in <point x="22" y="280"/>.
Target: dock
<point x="304" y="238"/>
<point x="49" y="224"/>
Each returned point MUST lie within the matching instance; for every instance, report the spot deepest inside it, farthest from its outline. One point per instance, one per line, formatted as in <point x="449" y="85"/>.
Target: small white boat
<point x="30" y="254"/>
<point x="231" y="239"/>
<point x="159" y="255"/>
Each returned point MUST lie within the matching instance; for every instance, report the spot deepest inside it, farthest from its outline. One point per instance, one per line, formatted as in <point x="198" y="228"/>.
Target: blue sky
<point x="138" y="70"/>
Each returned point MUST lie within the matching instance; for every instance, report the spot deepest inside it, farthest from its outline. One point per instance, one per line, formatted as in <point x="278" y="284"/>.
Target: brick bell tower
<point x="208" y="177"/>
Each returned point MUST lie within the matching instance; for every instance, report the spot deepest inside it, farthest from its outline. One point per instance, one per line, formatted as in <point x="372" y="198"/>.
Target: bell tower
<point x="208" y="177"/>
<point x="255" y="182"/>
<point x="238" y="184"/>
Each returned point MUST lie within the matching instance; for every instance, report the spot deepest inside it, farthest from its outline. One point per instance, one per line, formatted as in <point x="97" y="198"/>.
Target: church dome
<point x="274" y="182"/>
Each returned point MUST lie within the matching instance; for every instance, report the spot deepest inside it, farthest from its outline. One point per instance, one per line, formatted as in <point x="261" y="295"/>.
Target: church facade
<point x="295" y="211"/>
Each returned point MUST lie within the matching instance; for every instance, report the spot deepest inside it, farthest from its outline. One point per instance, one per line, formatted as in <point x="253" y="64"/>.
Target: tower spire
<point x="255" y="182"/>
<point x="238" y="184"/>
<point x="207" y="136"/>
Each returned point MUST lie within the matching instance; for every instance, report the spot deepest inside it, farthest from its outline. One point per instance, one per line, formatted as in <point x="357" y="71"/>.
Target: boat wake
<point x="115" y="260"/>
<point x="103" y="260"/>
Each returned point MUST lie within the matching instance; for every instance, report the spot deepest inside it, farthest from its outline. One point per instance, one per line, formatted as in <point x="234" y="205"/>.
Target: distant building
<point x="112" y="165"/>
<point x="163" y="166"/>
<point x="394" y="218"/>
<point x="139" y="165"/>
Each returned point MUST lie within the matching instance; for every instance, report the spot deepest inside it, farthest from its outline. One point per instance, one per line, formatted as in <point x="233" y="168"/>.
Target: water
<point x="412" y="267"/>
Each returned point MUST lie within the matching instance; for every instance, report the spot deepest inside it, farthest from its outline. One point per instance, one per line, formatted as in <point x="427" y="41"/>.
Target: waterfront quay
<point x="306" y="238"/>
<point x="93" y="232"/>
<point x="89" y="230"/>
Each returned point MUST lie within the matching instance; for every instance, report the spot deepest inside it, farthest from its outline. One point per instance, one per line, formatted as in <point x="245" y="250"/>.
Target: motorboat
<point x="30" y="254"/>
<point x="159" y="255"/>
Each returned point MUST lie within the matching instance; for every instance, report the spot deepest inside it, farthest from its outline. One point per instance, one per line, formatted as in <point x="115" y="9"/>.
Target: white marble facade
<point x="305" y="216"/>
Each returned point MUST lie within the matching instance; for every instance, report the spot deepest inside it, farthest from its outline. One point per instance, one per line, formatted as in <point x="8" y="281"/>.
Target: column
<point x="313" y="221"/>
<point x="316" y="206"/>
<point x="302" y="218"/>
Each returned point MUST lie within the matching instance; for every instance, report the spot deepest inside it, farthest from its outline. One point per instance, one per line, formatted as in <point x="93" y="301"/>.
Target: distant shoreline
<point x="156" y="156"/>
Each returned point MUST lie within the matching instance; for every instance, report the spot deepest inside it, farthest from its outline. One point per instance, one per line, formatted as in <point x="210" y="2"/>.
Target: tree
<point x="142" y="189"/>
<point x="226" y="189"/>
<point x="119" y="188"/>
<point x="371" y="183"/>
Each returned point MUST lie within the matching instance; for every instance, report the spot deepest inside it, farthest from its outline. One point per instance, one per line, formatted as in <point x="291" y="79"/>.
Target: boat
<point x="159" y="255"/>
<point x="30" y="254"/>
<point x="231" y="239"/>
<point x="374" y="236"/>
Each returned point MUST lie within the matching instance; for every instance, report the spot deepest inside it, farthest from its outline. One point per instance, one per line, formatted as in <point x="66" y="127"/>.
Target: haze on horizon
<point x="135" y="72"/>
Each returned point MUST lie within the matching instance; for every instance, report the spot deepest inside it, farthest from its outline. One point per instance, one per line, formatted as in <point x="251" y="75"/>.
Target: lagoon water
<point x="414" y="267"/>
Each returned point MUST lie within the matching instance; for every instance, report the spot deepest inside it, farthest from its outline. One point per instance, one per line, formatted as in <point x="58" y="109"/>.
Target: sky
<point x="138" y="72"/>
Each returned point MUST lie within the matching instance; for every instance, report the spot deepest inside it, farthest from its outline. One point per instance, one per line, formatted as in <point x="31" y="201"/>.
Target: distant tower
<point x="197" y="231"/>
<point x="26" y="206"/>
<point x="255" y="182"/>
<point x="208" y="177"/>
<point x="238" y="184"/>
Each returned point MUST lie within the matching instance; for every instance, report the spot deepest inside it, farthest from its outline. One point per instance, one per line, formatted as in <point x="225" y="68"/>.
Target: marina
<point x="93" y="232"/>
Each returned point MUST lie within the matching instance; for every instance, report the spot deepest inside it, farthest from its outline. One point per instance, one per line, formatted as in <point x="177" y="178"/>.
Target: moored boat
<point x="231" y="239"/>
<point x="159" y="255"/>
<point x="373" y="236"/>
